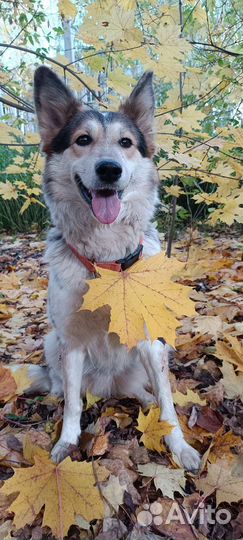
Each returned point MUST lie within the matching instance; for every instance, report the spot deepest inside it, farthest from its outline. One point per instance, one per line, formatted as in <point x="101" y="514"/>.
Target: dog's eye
<point x="125" y="142"/>
<point x="83" y="140"/>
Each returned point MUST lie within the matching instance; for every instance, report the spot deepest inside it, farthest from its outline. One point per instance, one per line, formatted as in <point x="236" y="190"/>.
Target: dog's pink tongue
<point x="106" y="209"/>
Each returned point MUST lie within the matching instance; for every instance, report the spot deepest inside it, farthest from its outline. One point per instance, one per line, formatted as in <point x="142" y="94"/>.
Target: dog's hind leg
<point x="53" y="359"/>
<point x="155" y="360"/>
<point x="72" y="365"/>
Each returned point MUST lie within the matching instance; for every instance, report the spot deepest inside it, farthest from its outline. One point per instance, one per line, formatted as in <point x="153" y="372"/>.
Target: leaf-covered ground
<point x="143" y="493"/>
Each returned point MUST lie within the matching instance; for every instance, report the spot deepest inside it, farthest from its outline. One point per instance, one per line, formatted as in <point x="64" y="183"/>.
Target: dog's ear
<point x="139" y="106"/>
<point x="54" y="104"/>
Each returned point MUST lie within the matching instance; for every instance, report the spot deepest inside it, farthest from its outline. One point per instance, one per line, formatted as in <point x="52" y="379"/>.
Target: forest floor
<point x="145" y="486"/>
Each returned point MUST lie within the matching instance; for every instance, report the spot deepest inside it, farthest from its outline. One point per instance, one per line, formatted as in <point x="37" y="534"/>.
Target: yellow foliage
<point x="189" y="119"/>
<point x="121" y="82"/>
<point x="8" y="191"/>
<point x="67" y="9"/>
<point x="175" y="191"/>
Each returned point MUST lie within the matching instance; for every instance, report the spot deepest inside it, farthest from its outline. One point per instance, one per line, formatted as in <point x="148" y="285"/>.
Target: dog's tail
<point x="38" y="375"/>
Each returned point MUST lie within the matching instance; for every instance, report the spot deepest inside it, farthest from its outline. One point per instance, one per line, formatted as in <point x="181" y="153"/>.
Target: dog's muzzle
<point x="104" y="202"/>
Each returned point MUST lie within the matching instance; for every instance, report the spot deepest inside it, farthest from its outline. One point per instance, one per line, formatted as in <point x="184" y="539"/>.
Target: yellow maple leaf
<point x="119" y="24"/>
<point x="65" y="490"/>
<point x="144" y="299"/>
<point x="8" y="191"/>
<point x="222" y="444"/>
<point x="220" y="479"/>
<point x="231" y="211"/>
<point x="189" y="397"/>
<point x="13" y="169"/>
<point x="67" y="9"/>
<point x="153" y="429"/>
<point x="175" y="191"/>
<point x="189" y="119"/>
<point x="172" y="45"/>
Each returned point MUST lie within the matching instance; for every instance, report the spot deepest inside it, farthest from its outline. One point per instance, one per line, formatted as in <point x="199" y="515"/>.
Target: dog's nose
<point x="108" y="170"/>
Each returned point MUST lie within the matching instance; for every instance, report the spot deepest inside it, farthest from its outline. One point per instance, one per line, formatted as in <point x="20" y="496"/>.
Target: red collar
<point x="117" y="266"/>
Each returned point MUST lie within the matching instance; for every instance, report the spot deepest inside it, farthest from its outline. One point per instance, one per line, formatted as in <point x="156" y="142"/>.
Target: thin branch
<point x="197" y="171"/>
<point x="108" y="51"/>
<point x="196" y="100"/>
<point x="60" y="64"/>
<point x="16" y="105"/>
<point x="201" y="143"/>
<point x="217" y="48"/>
<point x="17" y="35"/>
<point x="188" y="17"/>
<point x="19" y="144"/>
<point x="15" y="96"/>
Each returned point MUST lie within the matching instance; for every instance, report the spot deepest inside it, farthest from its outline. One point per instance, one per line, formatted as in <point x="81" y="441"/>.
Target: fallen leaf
<point x="233" y="384"/>
<point x="114" y="492"/>
<point x="165" y="479"/>
<point x="208" y="324"/>
<point x="142" y="295"/>
<point x="121" y="419"/>
<point x="153" y="429"/>
<point x="22" y="380"/>
<point x="9" y="281"/>
<point x="126" y="476"/>
<point x="8" y="385"/>
<point x="34" y="442"/>
<point x="231" y="351"/>
<point x="189" y="397"/>
<point x="100" y="445"/>
<point x="66" y="489"/>
<point x="91" y="400"/>
<point x="215" y="393"/>
<point x="219" y="478"/>
<point x="13" y="383"/>
<point x="209" y="419"/>
<point x="5" y="530"/>
<point x="193" y="435"/>
<point x="222" y="444"/>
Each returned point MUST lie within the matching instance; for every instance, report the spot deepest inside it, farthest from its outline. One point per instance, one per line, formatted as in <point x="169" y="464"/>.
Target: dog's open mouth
<point x="105" y="203"/>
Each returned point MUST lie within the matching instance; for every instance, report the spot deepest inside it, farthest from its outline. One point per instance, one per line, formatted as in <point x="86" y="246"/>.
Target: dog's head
<point x="100" y="162"/>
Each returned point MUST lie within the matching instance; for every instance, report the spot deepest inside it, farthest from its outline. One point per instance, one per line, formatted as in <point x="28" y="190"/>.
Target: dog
<point x="101" y="186"/>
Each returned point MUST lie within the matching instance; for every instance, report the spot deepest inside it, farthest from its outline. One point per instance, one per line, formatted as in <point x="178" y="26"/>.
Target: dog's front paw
<point x="60" y="451"/>
<point x="189" y="457"/>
